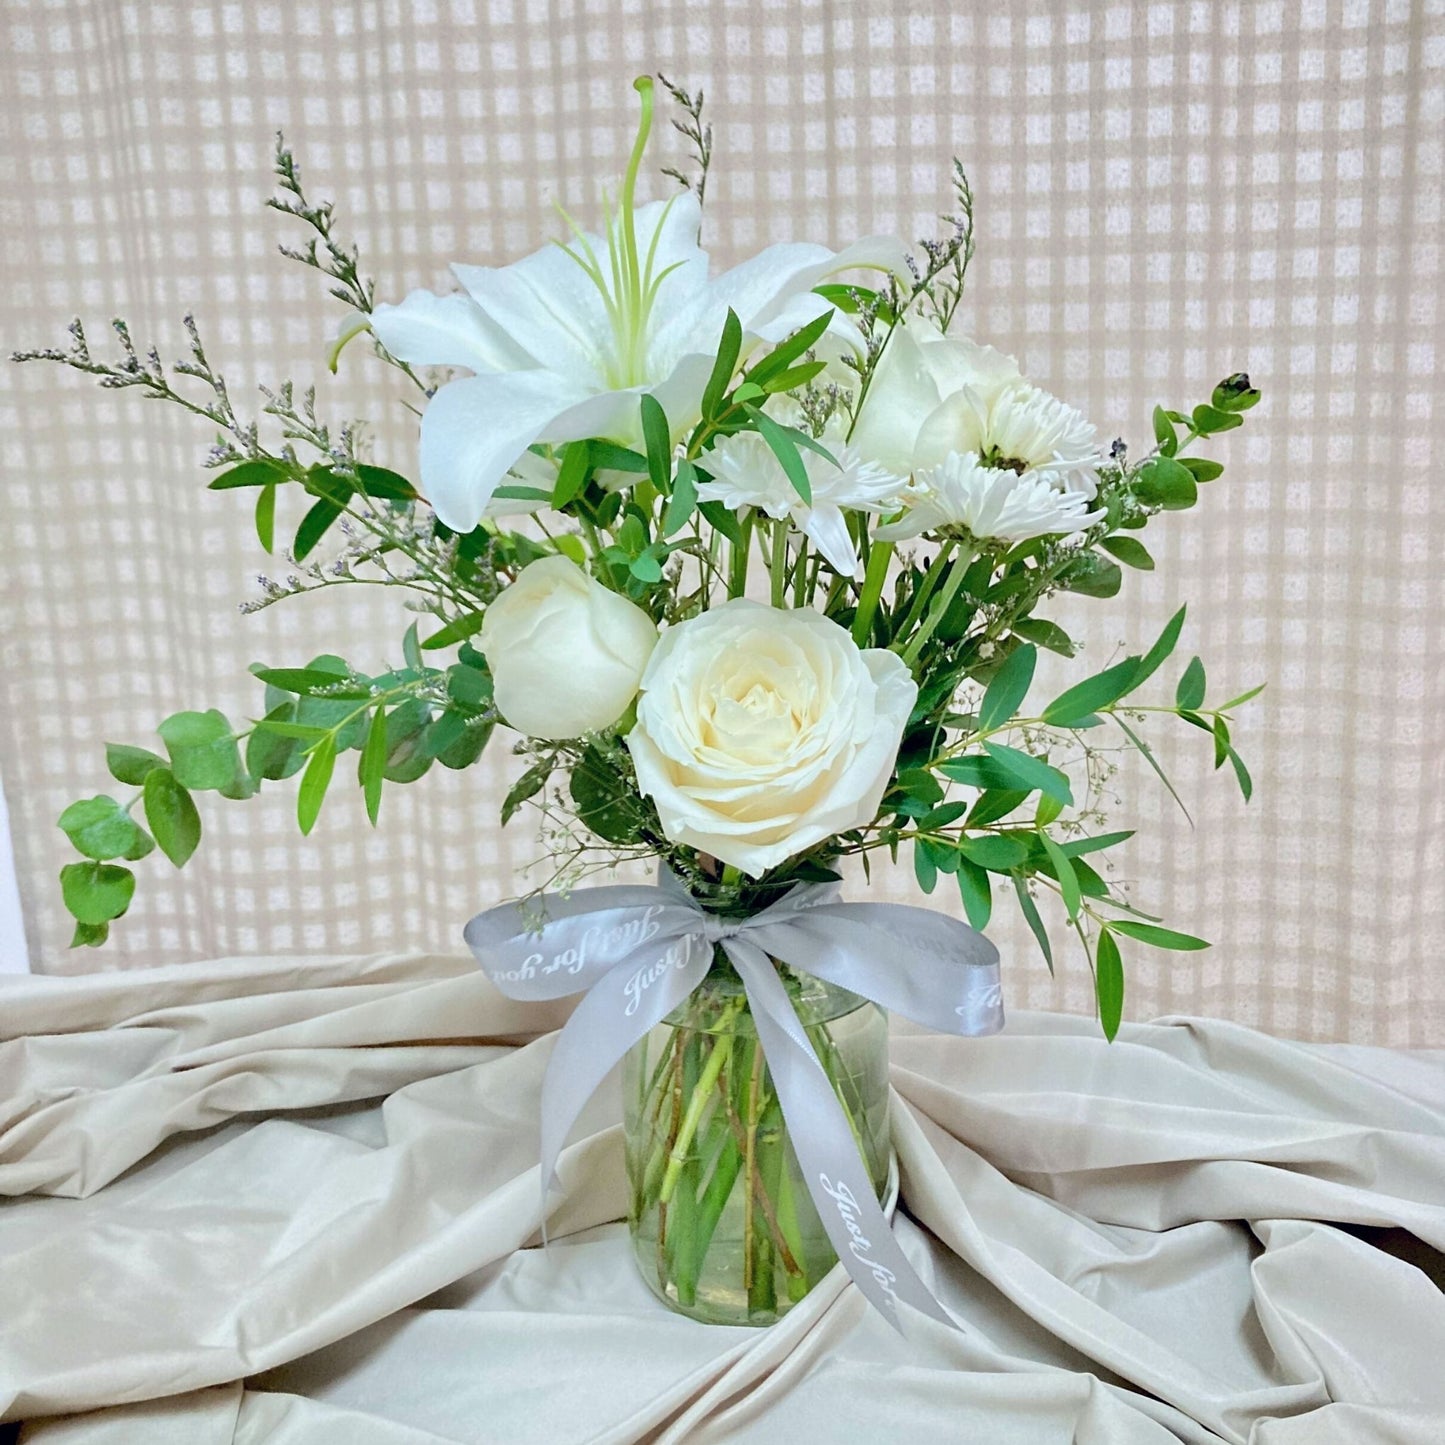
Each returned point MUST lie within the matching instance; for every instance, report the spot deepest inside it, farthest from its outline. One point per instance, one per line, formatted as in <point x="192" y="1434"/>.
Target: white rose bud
<point x="566" y="654"/>
<point x="761" y="732"/>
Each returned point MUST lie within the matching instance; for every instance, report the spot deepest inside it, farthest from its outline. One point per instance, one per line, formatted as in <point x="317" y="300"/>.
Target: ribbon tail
<point x="624" y="1004"/>
<point x="827" y="1154"/>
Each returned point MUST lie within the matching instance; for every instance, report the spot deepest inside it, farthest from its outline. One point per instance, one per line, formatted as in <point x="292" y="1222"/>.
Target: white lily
<point x="746" y="473"/>
<point x="990" y="503"/>
<point x="564" y="342"/>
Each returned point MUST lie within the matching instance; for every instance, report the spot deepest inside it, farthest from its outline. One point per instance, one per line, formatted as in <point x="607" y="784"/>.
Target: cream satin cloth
<point x="295" y="1201"/>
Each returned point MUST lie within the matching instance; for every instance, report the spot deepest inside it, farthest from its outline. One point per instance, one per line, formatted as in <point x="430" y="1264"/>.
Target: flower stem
<point x="698" y="1096"/>
<point x="873" y="580"/>
<point x="937" y="611"/>
<point x="779" y="564"/>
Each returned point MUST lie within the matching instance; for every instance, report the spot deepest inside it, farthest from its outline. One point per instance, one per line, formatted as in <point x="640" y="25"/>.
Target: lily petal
<point x="430" y="330"/>
<point x="475" y="428"/>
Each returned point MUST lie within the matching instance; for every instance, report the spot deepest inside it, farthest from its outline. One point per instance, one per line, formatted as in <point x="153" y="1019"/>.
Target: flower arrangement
<point x="753" y="563"/>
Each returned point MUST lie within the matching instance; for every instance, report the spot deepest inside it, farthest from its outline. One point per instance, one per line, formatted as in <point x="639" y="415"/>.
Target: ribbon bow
<point x="637" y="952"/>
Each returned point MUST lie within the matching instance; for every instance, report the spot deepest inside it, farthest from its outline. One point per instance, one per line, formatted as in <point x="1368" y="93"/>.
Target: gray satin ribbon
<point x="637" y="952"/>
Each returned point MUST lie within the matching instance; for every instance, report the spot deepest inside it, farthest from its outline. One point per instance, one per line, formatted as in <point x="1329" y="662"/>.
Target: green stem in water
<point x="698" y="1094"/>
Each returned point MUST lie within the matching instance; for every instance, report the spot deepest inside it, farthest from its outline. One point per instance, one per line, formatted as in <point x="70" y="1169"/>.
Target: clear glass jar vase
<point x="722" y="1222"/>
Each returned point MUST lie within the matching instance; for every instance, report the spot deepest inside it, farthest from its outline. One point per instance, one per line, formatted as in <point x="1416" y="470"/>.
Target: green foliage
<point x="202" y="749"/>
<point x="96" y="893"/>
<point x="1109" y="983"/>
<point x="101" y="829"/>
<point x="171" y="816"/>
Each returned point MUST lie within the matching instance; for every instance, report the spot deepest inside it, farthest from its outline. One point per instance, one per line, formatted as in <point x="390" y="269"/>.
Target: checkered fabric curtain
<point x="1168" y="192"/>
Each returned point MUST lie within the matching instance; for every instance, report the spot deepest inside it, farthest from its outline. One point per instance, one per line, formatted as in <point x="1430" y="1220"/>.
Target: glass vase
<point x="722" y="1222"/>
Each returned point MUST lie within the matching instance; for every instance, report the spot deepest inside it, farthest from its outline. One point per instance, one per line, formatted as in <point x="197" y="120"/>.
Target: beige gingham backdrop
<point x="1167" y="193"/>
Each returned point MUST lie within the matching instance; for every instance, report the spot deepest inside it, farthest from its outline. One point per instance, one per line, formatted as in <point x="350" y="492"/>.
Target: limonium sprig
<point x="755" y="565"/>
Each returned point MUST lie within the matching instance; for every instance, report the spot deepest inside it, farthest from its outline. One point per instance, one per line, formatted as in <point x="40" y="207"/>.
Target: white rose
<point x="566" y="654"/>
<point x="761" y="732"/>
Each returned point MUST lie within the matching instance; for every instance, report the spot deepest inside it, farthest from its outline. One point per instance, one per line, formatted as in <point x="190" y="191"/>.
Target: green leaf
<point x="1158" y="937"/>
<point x="407" y="757"/>
<point x="276" y="724"/>
<point x="1047" y="811"/>
<point x="977" y="771"/>
<point x="1087" y="697"/>
<point x="1130" y="551"/>
<point x="722" y="520"/>
<point x="101" y="829"/>
<point x="996" y="803"/>
<point x="723" y="367"/>
<point x="89" y="935"/>
<point x="943" y="816"/>
<point x="130" y="765"/>
<point x="1164" y="432"/>
<point x="1109" y="984"/>
<point x="258" y="473"/>
<point x="607" y="457"/>
<point x="1010" y="685"/>
<point x="781" y="442"/>
<point x="469" y="686"/>
<point x="517" y="492"/>
<point x="1045" y="634"/>
<point x="1031" y="914"/>
<point x="794" y="377"/>
<point x="455" y="631"/>
<point x="266" y="518"/>
<point x="371" y="771"/>
<point x="646" y="568"/>
<point x="527" y="786"/>
<point x="1164" y="482"/>
<point x="1094" y="576"/>
<point x="463" y="750"/>
<point x="411" y="649"/>
<point x="1243" y="698"/>
<point x="1153" y="762"/>
<point x="1202" y="469"/>
<point x="171" y="816"/>
<point x="314" y="526"/>
<point x="1209" y="419"/>
<point x="571" y="475"/>
<point x="96" y="892"/>
<point x="311" y="682"/>
<point x="1166" y="643"/>
<point x="1064" y="873"/>
<point x="1246" y="783"/>
<point x="604" y="804"/>
<point x="924" y="868"/>
<point x="269" y="755"/>
<point x="1190" y="692"/>
<point x="977" y="895"/>
<point x="683" y="500"/>
<point x="202" y="749"/>
<point x="314" y="782"/>
<point x="785" y="353"/>
<point x="1031" y="772"/>
<point x="1234" y="393"/>
<point x="1075" y="847"/>
<point x="1221" y="742"/>
<point x="658" y="437"/>
<point x="384" y="485"/>
<point x="995" y="851"/>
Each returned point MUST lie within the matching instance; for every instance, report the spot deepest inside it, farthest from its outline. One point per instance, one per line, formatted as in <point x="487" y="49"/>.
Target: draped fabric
<point x="1167" y="193"/>
<point x="259" y="1200"/>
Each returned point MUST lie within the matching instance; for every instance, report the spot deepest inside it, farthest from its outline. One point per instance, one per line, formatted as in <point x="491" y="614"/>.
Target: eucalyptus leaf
<point x="95" y="893"/>
<point x="202" y="748"/>
<point x="171" y="816"/>
<point x="1031" y="772"/>
<point x="101" y="829"/>
<point x="975" y="892"/>
<point x="1005" y="694"/>
<point x="130" y="765"/>
<point x="1031" y="915"/>
<point x="1191" y="689"/>
<point x="1158" y="937"/>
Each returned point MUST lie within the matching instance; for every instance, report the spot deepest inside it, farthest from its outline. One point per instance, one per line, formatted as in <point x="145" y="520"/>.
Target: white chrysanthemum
<point x="747" y="474"/>
<point x="1019" y="427"/>
<point x="990" y="503"/>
